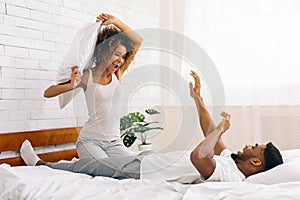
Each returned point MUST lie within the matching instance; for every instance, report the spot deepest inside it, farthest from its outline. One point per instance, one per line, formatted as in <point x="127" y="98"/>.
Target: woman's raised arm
<point x="110" y="19"/>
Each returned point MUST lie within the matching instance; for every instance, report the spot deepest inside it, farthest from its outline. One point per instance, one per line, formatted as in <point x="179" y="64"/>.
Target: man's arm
<point x="202" y="155"/>
<point x="205" y="121"/>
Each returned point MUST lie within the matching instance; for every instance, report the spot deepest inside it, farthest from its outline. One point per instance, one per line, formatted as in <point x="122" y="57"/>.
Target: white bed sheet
<point x="45" y="183"/>
<point x="243" y="191"/>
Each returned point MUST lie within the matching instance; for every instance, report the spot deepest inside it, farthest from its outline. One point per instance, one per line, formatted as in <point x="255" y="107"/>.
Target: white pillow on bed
<point x="287" y="172"/>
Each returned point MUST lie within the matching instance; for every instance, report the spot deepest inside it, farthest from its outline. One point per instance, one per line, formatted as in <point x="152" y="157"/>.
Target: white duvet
<point x="45" y="183"/>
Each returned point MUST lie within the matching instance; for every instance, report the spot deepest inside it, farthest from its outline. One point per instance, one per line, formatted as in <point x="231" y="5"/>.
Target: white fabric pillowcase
<point x="286" y="172"/>
<point x="80" y="54"/>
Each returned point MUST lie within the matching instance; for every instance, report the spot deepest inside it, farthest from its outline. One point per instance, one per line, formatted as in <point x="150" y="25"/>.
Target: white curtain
<point x="255" y="47"/>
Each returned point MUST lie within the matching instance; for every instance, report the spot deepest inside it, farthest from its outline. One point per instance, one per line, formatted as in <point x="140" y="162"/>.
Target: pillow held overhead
<point x="80" y="54"/>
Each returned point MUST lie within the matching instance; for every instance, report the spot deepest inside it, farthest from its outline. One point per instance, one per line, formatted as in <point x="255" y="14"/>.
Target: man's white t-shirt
<point x="176" y="166"/>
<point x="226" y="169"/>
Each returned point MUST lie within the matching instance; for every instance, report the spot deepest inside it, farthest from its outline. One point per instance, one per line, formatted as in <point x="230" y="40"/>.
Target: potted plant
<point x="133" y="126"/>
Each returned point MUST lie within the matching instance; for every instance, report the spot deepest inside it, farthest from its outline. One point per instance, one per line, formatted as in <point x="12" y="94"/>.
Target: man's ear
<point x="256" y="162"/>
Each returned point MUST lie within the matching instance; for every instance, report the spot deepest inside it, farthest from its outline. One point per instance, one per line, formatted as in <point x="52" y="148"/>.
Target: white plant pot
<point x="145" y="147"/>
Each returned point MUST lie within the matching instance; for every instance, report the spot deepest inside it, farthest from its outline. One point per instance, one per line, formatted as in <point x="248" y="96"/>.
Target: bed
<point x="23" y="182"/>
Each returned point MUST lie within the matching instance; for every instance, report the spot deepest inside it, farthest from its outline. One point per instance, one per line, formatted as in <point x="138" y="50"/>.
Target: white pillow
<point x="286" y="172"/>
<point x="289" y="155"/>
<point x="80" y="54"/>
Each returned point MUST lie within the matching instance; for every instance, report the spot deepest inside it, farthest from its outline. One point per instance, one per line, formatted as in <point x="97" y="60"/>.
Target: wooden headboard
<point x="39" y="138"/>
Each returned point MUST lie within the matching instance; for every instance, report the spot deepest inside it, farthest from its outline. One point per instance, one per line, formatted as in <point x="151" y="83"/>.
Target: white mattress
<point x="45" y="183"/>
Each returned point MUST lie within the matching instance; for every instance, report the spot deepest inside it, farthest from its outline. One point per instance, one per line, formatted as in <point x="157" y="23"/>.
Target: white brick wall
<point x="7" y="61"/>
<point x="16" y="11"/>
<point x="34" y="37"/>
<point x="2" y="8"/>
<point x="12" y="72"/>
<point x="16" y="52"/>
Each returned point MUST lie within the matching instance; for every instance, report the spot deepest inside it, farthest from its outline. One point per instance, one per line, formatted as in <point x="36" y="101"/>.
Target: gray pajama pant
<point x="121" y="167"/>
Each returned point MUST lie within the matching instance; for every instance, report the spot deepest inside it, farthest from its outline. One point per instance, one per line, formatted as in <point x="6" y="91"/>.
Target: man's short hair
<point x="272" y="157"/>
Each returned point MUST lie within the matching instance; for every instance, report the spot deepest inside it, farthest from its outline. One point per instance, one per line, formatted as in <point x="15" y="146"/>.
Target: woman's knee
<point x="87" y="149"/>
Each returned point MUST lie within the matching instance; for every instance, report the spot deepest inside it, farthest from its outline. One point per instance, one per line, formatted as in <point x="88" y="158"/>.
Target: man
<point x="252" y="160"/>
<point x="209" y="161"/>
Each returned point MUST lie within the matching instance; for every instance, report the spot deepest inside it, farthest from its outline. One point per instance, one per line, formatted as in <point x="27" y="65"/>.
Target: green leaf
<point x="142" y="124"/>
<point x="125" y="122"/>
<point x="128" y="140"/>
<point x="152" y="128"/>
<point x="141" y="129"/>
<point x="152" y="112"/>
<point x="136" y="117"/>
<point x="148" y="123"/>
<point x="129" y="132"/>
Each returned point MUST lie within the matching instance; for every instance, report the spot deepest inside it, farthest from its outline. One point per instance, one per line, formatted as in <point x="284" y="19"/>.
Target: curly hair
<point x="108" y="40"/>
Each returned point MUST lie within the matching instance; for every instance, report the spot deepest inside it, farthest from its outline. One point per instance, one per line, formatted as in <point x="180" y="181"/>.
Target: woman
<point x="116" y="47"/>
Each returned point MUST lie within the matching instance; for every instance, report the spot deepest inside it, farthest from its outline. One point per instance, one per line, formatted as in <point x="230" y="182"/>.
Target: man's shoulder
<point x="226" y="153"/>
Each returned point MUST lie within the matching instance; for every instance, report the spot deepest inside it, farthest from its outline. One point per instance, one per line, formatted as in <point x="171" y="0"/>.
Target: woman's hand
<point x="75" y="77"/>
<point x="107" y="19"/>
<point x="55" y="90"/>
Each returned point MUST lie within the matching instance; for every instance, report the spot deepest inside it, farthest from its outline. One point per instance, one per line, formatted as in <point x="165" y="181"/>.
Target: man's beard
<point x="235" y="157"/>
<point x="239" y="157"/>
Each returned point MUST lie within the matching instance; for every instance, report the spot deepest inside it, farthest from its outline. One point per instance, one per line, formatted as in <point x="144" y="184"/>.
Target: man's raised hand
<point x="195" y="89"/>
<point x="224" y="125"/>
